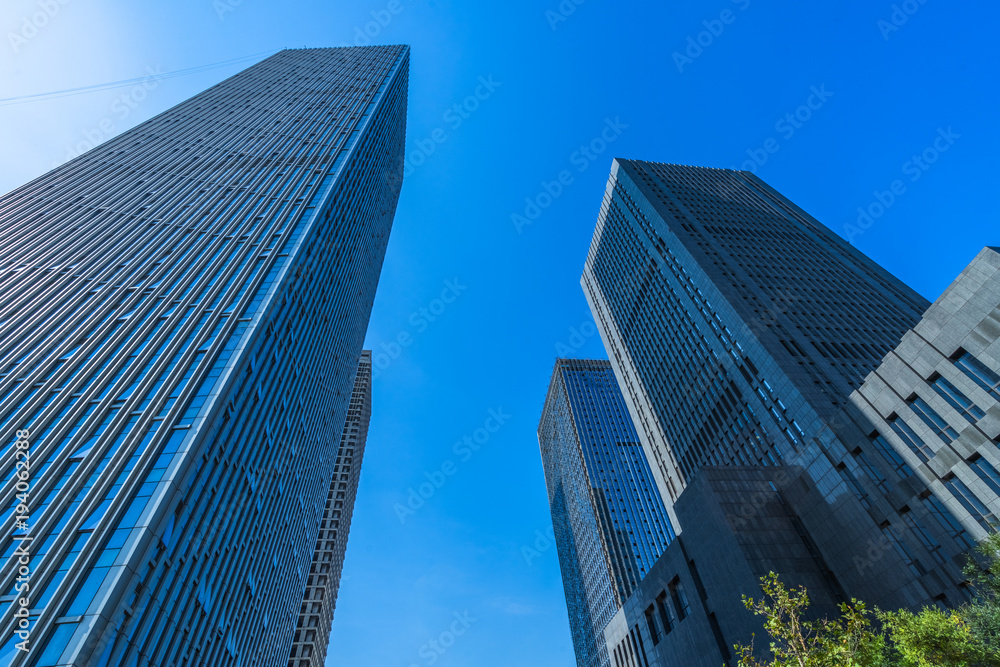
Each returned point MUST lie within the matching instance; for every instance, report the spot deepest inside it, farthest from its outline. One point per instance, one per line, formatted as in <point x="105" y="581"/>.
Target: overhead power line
<point x="128" y="82"/>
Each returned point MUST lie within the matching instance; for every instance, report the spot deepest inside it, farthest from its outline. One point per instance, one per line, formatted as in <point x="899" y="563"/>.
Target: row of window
<point x="989" y="381"/>
<point x="662" y="616"/>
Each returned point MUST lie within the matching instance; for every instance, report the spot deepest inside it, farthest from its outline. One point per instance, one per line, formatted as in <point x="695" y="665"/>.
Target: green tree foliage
<point x="984" y="575"/>
<point x="933" y="638"/>
<point x="848" y="641"/>
<point x="968" y="636"/>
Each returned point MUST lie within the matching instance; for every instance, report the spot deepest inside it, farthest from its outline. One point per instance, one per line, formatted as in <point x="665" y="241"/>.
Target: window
<point x="87" y="591"/>
<point x="926" y="539"/>
<point x="654" y="633"/>
<point x="890" y="455"/>
<point x="666" y="617"/>
<point x="10" y="651"/>
<point x="978" y="373"/>
<point x="679" y="598"/>
<point x="912" y="440"/>
<point x="948" y="522"/>
<point x="640" y="649"/>
<point x="970" y="502"/>
<point x="957" y="400"/>
<point x="986" y="472"/>
<point x="907" y="557"/>
<point x="933" y="420"/>
<point x="56" y="644"/>
<point x="873" y="473"/>
<point x="852" y="483"/>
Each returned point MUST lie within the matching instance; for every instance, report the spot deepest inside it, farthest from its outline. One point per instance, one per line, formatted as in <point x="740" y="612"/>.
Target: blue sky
<point x="881" y="93"/>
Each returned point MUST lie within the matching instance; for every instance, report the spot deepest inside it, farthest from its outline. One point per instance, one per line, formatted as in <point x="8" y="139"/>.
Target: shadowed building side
<point x="738" y="326"/>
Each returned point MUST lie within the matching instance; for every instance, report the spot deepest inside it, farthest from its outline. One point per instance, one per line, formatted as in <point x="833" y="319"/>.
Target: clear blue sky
<point x="885" y="95"/>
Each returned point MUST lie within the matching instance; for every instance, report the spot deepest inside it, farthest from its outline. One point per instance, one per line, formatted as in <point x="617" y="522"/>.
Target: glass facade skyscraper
<point x="609" y="520"/>
<point x="738" y="326"/>
<point x="182" y="313"/>
<point x="312" y="634"/>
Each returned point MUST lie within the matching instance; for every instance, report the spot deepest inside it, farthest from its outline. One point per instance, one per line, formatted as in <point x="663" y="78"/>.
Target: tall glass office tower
<point x="738" y="326"/>
<point x="182" y="311"/>
<point x="609" y="520"/>
<point x="312" y="634"/>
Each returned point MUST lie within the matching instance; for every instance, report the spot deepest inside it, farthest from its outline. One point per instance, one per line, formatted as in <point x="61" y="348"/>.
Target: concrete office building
<point x="737" y="528"/>
<point x="738" y="328"/>
<point x="933" y="405"/>
<point x="182" y="311"/>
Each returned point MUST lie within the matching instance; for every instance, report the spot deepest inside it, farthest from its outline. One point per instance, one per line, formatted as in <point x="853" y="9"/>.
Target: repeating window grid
<point x="680" y="434"/>
<point x="872" y="471"/>
<point x="894" y="538"/>
<point x="949" y="524"/>
<point x="738" y="209"/>
<point x="851" y="327"/>
<point x="182" y="254"/>
<point x="662" y="457"/>
<point x="292" y="356"/>
<point x="116" y="186"/>
<point x="853" y="485"/>
<point x="627" y="505"/>
<point x="926" y="538"/>
<point x="591" y="596"/>
<point x="311" y="639"/>
<point x="202" y="272"/>
<point x="602" y="239"/>
<point x="637" y="529"/>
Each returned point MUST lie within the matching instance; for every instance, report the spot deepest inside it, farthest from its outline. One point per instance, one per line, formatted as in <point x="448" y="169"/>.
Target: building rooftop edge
<point x="625" y="161"/>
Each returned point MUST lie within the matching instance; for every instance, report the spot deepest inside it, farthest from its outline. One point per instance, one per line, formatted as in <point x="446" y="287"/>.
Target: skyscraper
<point x="738" y="326"/>
<point x="609" y="520"/>
<point x="182" y="311"/>
<point x="312" y="634"/>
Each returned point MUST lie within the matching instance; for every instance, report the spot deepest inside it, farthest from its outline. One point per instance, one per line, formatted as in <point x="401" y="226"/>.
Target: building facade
<point x="934" y="404"/>
<point x="738" y="528"/>
<point x="738" y="326"/>
<point x="609" y="520"/>
<point x="182" y="311"/>
<point x="931" y="457"/>
<point x="312" y="634"/>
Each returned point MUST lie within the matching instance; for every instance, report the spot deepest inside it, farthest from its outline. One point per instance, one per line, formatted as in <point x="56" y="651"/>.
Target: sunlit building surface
<point x="182" y="311"/>
<point x="609" y="520"/>
<point x="935" y="404"/>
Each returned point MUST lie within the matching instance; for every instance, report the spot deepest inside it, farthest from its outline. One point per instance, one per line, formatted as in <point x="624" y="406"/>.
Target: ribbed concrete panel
<point x="182" y="311"/>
